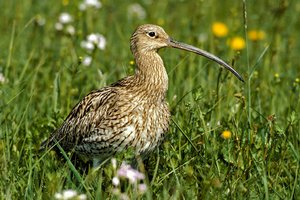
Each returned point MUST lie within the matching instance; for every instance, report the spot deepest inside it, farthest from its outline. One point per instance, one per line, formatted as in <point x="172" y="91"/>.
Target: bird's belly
<point x="142" y="129"/>
<point x="145" y="130"/>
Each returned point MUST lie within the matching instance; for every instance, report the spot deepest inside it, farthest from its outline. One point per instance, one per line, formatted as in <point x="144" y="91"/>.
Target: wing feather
<point x="83" y="118"/>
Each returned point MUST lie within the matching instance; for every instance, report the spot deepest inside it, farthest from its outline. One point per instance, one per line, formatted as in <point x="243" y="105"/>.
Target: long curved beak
<point x="186" y="47"/>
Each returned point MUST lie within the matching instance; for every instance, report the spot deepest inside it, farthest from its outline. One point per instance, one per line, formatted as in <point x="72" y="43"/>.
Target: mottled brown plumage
<point x="132" y="112"/>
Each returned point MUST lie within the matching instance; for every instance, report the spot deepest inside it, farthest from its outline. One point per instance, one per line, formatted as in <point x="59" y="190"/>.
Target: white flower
<point x="131" y="174"/>
<point x="101" y="42"/>
<point x="90" y="3"/>
<point x="82" y="197"/>
<point x="70" y="29"/>
<point x="87" y="45"/>
<point x="87" y="60"/>
<point x="58" y="26"/>
<point x="82" y="6"/>
<point x="116" y="181"/>
<point x="93" y="3"/>
<point x="69" y="194"/>
<point x="58" y="196"/>
<point x="202" y="37"/>
<point x="41" y="21"/>
<point x="65" y="18"/>
<point x="2" y="78"/>
<point x="94" y="40"/>
<point x="174" y="97"/>
<point x="98" y="39"/>
<point x="114" y="163"/>
<point x="124" y="196"/>
<point x="136" y="10"/>
<point x="142" y="187"/>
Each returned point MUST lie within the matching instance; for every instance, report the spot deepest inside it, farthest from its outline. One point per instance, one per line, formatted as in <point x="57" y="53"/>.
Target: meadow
<point x="227" y="139"/>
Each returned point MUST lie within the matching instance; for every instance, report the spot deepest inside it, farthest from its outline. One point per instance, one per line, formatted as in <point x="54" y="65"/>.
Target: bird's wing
<point x="84" y="117"/>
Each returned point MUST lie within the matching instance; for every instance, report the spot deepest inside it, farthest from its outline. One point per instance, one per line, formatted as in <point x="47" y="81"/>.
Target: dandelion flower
<point x="219" y="29"/>
<point x="65" y="18"/>
<point x="256" y="35"/>
<point x="237" y="43"/>
<point x="226" y="134"/>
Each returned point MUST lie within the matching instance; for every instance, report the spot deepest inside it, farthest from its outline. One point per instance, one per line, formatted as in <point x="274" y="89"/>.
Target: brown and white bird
<point x="132" y="112"/>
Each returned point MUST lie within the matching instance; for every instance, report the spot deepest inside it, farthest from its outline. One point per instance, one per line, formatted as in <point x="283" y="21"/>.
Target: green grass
<point x="44" y="80"/>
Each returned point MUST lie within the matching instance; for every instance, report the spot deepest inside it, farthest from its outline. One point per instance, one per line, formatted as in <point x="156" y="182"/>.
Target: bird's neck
<point x="151" y="72"/>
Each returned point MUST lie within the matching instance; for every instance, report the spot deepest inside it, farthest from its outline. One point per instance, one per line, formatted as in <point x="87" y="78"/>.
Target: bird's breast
<point x="148" y="124"/>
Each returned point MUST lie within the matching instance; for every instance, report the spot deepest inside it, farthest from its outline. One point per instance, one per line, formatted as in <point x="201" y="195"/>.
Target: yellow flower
<point x="131" y="62"/>
<point x="237" y="43"/>
<point x="219" y="29"/>
<point x="226" y="134"/>
<point x="256" y="35"/>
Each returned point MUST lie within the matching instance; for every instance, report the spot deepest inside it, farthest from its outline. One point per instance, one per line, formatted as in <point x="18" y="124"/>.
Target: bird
<point x="130" y="113"/>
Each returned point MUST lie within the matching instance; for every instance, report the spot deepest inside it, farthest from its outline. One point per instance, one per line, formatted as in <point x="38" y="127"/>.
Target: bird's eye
<point x="152" y="34"/>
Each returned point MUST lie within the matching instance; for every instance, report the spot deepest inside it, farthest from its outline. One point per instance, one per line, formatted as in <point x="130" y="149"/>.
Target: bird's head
<point x="149" y="38"/>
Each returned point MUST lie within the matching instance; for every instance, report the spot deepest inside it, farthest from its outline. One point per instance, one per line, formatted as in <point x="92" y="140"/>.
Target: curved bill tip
<point x="190" y="48"/>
